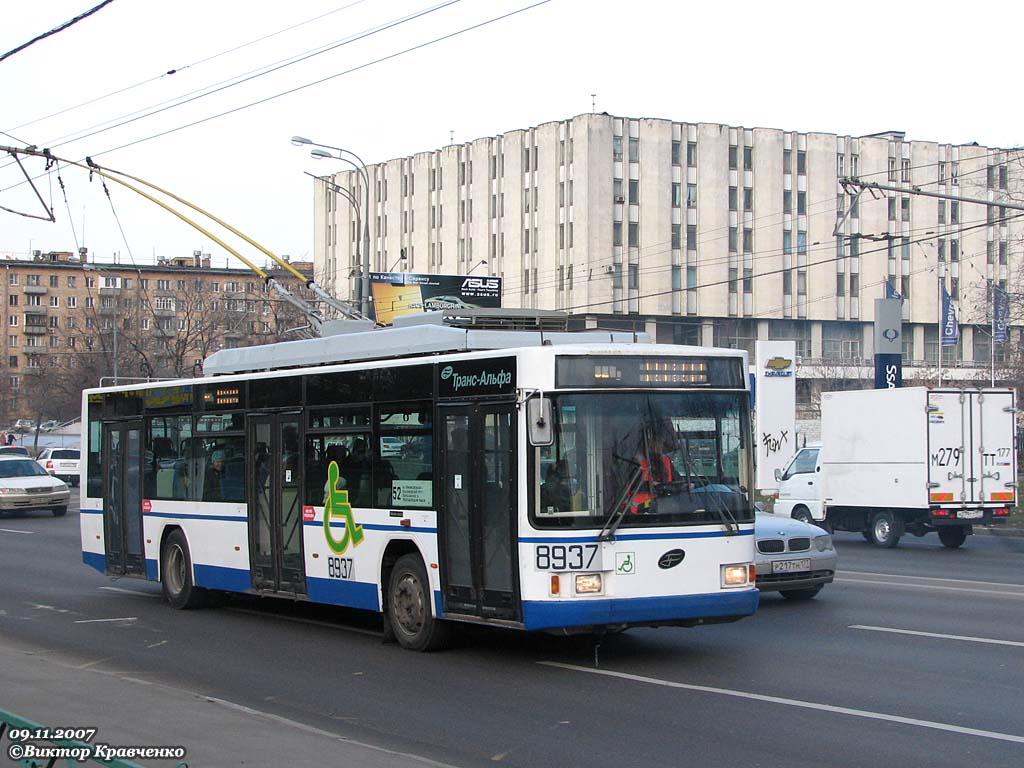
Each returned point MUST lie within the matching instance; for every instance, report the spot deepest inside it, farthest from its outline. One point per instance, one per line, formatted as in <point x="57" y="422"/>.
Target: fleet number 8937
<point x="566" y="557"/>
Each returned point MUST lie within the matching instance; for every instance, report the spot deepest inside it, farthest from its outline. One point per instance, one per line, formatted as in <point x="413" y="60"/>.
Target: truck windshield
<point x="655" y="459"/>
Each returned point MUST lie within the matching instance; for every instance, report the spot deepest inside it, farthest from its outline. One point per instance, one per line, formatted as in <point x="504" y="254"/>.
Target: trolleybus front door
<point x="122" y="498"/>
<point x="275" y="511"/>
<point x="478" y="521"/>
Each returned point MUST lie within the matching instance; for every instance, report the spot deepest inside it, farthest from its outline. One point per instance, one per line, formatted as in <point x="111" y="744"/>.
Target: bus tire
<point x="408" y="611"/>
<point x="176" y="574"/>
<point x="953" y="536"/>
<point x="886" y="529"/>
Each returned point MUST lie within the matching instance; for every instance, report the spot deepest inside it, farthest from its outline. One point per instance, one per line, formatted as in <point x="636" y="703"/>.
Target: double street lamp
<point x="362" y="292"/>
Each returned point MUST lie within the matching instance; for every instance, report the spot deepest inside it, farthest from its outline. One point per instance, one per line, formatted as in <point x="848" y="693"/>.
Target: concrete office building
<point x="699" y="232"/>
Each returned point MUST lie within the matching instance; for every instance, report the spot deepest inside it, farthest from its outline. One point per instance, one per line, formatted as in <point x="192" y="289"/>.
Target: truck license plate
<point x="791" y="566"/>
<point x="970" y="514"/>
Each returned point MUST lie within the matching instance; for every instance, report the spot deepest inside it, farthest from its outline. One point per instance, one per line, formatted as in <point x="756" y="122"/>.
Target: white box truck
<point x="908" y="460"/>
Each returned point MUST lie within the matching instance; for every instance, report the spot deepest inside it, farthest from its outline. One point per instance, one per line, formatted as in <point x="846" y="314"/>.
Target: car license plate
<point x="791" y="566"/>
<point x="970" y="514"/>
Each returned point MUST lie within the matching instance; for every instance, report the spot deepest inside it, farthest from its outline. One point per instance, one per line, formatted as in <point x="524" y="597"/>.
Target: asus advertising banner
<point x="404" y="293"/>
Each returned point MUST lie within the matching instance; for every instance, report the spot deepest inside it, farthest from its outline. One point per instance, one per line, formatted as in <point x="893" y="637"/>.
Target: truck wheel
<point x="886" y="529"/>
<point x="176" y="574"/>
<point x="409" y="613"/>
<point x="800" y="594"/>
<point x="802" y="514"/>
<point x="953" y="536"/>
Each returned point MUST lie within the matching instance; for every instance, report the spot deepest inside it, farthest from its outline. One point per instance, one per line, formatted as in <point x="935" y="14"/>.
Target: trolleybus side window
<point x="94" y="478"/>
<point x="403" y="469"/>
<point x="218" y="468"/>
<point x="341" y="435"/>
<point x="168" y="460"/>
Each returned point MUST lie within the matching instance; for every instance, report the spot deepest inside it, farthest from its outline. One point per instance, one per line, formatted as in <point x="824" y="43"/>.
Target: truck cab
<point x="800" y="486"/>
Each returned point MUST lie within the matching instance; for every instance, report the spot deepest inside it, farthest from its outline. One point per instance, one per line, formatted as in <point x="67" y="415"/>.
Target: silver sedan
<point x="793" y="558"/>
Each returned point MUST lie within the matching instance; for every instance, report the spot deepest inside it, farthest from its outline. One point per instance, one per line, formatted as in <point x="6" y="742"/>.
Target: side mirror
<point x="817" y="469"/>
<point x="538" y="421"/>
<point x="778" y="474"/>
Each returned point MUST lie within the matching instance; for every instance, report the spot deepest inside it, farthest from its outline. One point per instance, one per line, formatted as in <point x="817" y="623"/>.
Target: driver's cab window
<point x="804" y="462"/>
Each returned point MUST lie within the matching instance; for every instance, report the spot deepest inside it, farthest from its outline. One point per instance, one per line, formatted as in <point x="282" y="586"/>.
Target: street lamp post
<point x="363" y="294"/>
<point x="352" y="201"/>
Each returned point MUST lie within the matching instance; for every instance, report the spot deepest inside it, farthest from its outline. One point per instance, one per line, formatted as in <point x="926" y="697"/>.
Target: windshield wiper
<point x="732" y="526"/>
<point x="621" y="505"/>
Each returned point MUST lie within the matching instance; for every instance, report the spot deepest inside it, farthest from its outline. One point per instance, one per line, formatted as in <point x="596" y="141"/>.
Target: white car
<point x="26" y="486"/>
<point x="793" y="558"/>
<point x="61" y="462"/>
<point x="390" y="447"/>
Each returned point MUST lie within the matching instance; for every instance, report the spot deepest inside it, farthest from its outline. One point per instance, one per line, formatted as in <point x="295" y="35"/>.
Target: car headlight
<point x="823" y="543"/>
<point x="5" y="491"/>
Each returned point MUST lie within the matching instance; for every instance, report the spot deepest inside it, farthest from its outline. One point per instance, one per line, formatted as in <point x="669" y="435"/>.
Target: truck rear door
<point x="993" y="456"/>
<point x="949" y="439"/>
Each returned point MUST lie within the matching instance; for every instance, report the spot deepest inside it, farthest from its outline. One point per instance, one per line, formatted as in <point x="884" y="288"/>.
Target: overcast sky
<point x="938" y="71"/>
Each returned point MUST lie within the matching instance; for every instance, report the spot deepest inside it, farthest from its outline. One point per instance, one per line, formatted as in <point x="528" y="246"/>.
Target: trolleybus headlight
<point x="588" y="583"/>
<point x="735" y="575"/>
<point x="823" y="543"/>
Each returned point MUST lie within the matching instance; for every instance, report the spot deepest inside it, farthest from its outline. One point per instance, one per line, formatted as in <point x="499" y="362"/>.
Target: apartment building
<point x="701" y="232"/>
<point x="76" y="319"/>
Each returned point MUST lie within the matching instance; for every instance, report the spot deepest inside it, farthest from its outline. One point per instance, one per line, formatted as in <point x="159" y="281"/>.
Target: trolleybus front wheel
<point x="176" y="574"/>
<point x="408" y="608"/>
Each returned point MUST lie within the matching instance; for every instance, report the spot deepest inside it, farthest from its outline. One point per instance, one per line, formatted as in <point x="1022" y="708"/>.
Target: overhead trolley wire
<point x="176" y="70"/>
<point x="56" y="29"/>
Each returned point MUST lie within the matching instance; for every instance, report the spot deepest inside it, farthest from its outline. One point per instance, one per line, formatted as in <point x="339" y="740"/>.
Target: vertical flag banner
<point x="949" y="326"/>
<point x="890" y="292"/>
<point x="1000" y="313"/>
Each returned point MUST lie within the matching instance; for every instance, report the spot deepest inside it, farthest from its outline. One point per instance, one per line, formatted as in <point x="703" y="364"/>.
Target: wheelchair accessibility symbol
<point x="625" y="563"/>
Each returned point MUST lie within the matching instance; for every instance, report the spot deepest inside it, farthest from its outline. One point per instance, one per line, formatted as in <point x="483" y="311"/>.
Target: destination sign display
<point x="650" y="371"/>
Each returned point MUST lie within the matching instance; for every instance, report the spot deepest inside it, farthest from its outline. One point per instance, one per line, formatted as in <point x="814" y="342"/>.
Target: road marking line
<point x="135" y="592"/>
<point x="300" y="620"/>
<point x="793" y="703"/>
<point x="96" y="621"/>
<point x="938" y="635"/>
<point x="14" y="530"/>
<point x="990" y="592"/>
<point x="845" y="572"/>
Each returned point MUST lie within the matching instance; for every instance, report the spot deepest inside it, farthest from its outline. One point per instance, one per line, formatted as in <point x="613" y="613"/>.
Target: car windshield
<point x="21" y="468"/>
<point x="654" y="459"/>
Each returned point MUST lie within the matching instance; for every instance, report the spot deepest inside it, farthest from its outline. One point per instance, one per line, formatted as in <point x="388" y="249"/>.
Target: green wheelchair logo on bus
<point x="336" y="506"/>
<point x="625" y="563"/>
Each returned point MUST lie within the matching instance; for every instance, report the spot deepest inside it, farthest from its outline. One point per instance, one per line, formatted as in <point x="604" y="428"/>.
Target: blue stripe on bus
<point x="175" y="516"/>
<point x="90" y="511"/>
<point x="630" y="537"/>
<point x="151" y="569"/>
<point x="95" y="560"/>
<point x="352" y="594"/>
<point x="374" y="527"/>
<point x="219" y="577"/>
<point x="582" y="613"/>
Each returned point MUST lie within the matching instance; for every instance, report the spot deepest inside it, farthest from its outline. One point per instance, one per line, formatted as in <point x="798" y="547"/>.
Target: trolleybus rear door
<point x="478" y="520"/>
<point x="122" y="498"/>
<point x="275" y="511"/>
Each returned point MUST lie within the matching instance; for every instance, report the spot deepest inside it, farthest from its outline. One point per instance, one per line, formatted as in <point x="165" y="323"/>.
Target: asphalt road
<point x="913" y="657"/>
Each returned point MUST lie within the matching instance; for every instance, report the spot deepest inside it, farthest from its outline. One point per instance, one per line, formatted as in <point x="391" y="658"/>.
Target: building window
<point x="691" y="154"/>
<point x="634" y="192"/>
<point x="801" y="203"/>
<point x="748" y="199"/>
<point x="675" y="153"/>
<point x="617" y="233"/>
<point x="942" y="211"/>
<point x="787" y="201"/>
<point x="617" y="148"/>
<point x="905" y="171"/>
<point x="733" y="240"/>
<point x="677" y="195"/>
<point x="691" y="237"/>
<point x="892" y="169"/>
<point x="691" y="195"/>
<point x="840" y="165"/>
<point x="748" y="158"/>
<point x="676" y="236"/>
<point x="801" y="162"/>
<point x="634" y="235"/>
<point x="634" y="151"/>
<point x="748" y="240"/>
<point x="733" y="160"/>
<point x="905" y="208"/>
<point x="732" y="198"/>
